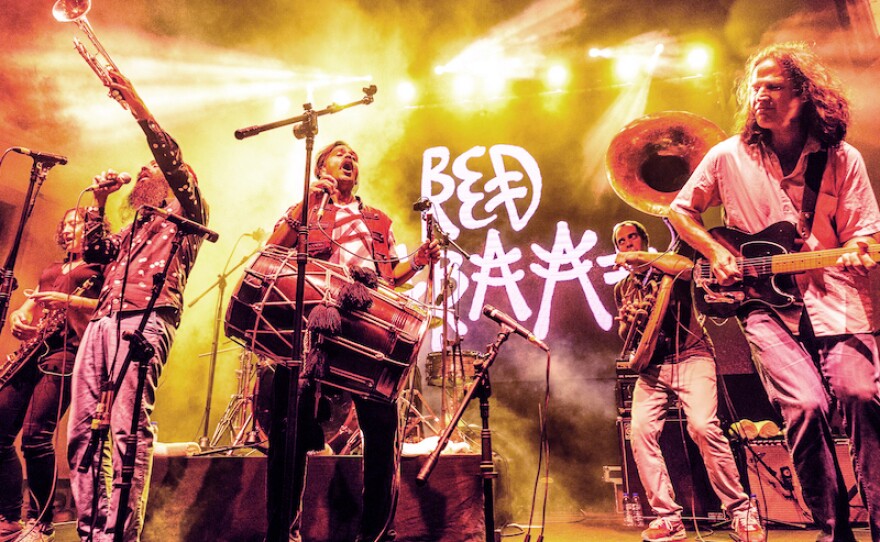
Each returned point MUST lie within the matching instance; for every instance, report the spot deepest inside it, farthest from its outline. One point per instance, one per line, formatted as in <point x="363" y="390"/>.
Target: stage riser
<point x="223" y="498"/>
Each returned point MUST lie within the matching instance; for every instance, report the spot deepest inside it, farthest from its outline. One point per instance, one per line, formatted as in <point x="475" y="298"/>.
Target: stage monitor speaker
<point x="686" y="469"/>
<point x="773" y="481"/>
<point x="193" y="499"/>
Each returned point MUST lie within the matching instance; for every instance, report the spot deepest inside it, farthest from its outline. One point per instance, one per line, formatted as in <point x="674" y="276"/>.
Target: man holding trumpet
<point x="132" y="258"/>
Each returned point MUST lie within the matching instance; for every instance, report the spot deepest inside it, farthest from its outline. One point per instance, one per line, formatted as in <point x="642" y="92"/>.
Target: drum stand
<point x="238" y="419"/>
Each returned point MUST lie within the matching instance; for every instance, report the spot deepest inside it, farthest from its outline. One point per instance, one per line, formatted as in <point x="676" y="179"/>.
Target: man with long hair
<point x="37" y="392"/>
<point x="790" y="170"/>
<point x="133" y="257"/>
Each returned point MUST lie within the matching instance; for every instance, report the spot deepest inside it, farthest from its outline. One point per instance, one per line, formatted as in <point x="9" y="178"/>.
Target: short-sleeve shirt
<point x="747" y="180"/>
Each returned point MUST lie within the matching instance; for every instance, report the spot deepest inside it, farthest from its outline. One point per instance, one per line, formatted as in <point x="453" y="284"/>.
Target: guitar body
<point x="757" y="286"/>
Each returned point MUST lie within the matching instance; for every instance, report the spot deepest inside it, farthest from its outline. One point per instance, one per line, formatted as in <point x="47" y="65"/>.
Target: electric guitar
<point x="51" y="324"/>
<point x="767" y="261"/>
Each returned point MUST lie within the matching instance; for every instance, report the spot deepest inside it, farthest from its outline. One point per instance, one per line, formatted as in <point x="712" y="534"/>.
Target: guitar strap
<point x="816" y="162"/>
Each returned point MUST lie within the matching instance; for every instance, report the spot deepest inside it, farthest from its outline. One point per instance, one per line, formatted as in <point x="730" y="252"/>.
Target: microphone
<point x="42" y="156"/>
<point x="184" y="225"/>
<point x="324" y="200"/>
<point x="506" y="320"/>
<point x="121" y="179"/>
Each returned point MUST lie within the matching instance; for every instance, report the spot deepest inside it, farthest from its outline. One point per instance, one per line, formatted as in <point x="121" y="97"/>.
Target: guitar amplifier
<point x="773" y="481"/>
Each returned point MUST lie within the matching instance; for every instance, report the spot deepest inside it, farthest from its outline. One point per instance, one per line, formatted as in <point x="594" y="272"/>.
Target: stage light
<point x="281" y="105"/>
<point x="698" y="58"/>
<point x="463" y="85"/>
<point x="342" y="96"/>
<point x="628" y="67"/>
<point x="406" y="92"/>
<point x="557" y="76"/>
<point x="493" y="86"/>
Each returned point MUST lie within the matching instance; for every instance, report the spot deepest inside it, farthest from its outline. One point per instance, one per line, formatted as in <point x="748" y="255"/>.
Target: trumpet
<point x="74" y="11"/>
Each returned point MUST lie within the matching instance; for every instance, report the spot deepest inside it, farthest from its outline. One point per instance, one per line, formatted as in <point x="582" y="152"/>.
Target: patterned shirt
<point x="141" y="249"/>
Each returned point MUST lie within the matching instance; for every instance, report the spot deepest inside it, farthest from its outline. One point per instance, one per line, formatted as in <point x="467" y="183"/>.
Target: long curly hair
<point x="81" y="214"/>
<point x="825" y="113"/>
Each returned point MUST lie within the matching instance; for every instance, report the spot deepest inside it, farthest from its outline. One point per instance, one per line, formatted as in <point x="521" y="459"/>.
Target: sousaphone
<point x="647" y="163"/>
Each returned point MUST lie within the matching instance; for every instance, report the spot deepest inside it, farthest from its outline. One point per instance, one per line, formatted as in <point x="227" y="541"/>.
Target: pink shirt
<point x="749" y="183"/>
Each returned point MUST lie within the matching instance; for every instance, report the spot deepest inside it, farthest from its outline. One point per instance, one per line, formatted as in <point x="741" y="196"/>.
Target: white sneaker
<point x="664" y="530"/>
<point x="748" y="528"/>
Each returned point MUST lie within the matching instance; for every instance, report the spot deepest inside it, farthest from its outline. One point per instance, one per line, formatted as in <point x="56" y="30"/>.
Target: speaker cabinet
<point x="773" y="480"/>
<point x="686" y="469"/>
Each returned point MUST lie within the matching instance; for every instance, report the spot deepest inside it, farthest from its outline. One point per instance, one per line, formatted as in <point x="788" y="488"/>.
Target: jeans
<point x="101" y="354"/>
<point x="694" y="381"/>
<point x="32" y="402"/>
<point x="846" y="368"/>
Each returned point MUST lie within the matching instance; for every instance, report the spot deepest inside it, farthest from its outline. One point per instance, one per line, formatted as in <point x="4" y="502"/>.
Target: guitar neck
<point x="797" y="262"/>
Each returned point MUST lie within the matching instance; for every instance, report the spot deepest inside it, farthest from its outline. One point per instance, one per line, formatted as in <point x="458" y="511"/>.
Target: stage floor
<point x="592" y="528"/>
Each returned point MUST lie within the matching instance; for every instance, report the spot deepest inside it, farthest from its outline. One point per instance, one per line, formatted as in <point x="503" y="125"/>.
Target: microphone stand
<point x="220" y="283"/>
<point x="281" y="475"/>
<point x="141" y="352"/>
<point x="482" y="389"/>
<point x="7" y="278"/>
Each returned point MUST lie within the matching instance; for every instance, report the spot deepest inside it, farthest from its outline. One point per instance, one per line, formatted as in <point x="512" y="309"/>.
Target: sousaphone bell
<point x="651" y="158"/>
<point x="647" y="163"/>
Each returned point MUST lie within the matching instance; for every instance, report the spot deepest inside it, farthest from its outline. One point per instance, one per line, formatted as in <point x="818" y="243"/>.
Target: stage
<point x="592" y="527"/>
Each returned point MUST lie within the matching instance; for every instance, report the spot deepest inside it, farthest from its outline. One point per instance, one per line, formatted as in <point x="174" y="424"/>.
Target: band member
<point x="793" y="115"/>
<point x="354" y="234"/>
<point x="35" y="381"/>
<point x="682" y="364"/>
<point x="133" y="257"/>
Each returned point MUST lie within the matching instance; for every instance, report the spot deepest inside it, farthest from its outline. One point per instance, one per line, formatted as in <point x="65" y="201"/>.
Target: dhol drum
<point x="459" y="367"/>
<point x="375" y="348"/>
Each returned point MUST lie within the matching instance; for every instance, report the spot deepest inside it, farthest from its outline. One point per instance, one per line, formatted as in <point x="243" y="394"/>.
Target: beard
<point x="148" y="191"/>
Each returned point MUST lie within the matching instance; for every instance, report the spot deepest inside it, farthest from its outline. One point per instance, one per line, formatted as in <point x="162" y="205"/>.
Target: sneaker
<point x="9" y="529"/>
<point x="37" y="531"/>
<point x="664" y="530"/>
<point x="748" y="528"/>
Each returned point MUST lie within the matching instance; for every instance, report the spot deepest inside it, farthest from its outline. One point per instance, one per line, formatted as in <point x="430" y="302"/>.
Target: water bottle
<point x="753" y="508"/>
<point x="638" y="518"/>
<point x="627" y="511"/>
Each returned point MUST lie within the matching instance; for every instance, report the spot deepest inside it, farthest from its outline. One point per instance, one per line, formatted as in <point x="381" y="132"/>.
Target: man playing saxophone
<point x="681" y="364"/>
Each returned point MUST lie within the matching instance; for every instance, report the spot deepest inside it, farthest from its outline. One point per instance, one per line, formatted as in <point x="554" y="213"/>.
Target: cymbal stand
<point x="220" y="284"/>
<point x="445" y="363"/>
<point x="240" y="411"/>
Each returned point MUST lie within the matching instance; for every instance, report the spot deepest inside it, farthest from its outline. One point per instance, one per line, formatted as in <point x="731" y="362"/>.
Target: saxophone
<point x="50" y="324"/>
<point x="647" y="163"/>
